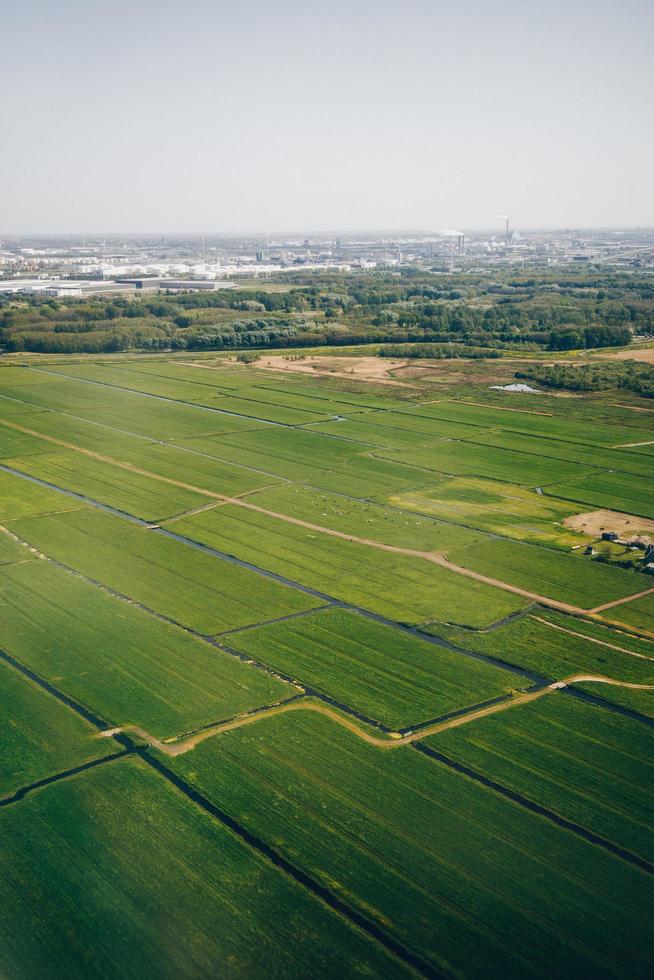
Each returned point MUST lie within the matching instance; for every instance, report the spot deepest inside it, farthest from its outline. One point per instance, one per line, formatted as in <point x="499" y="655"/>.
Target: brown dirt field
<point x="645" y="354"/>
<point x="627" y="526"/>
<point x="375" y="369"/>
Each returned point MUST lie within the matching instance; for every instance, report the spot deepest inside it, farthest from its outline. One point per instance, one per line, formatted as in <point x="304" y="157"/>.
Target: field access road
<point x="395" y="740"/>
<point x="435" y="557"/>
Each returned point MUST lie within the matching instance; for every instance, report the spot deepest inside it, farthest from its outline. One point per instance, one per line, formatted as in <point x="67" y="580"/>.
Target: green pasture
<point x="198" y="590"/>
<point x="365" y="519"/>
<point x="495" y="506"/>
<point x="20" y="497"/>
<point x="474" y="883"/>
<point x="385" y="674"/>
<point x="624" y="460"/>
<point x="540" y="647"/>
<point x="628" y="493"/>
<point x="401" y="588"/>
<point x="123" y="664"/>
<point x="467" y="459"/>
<point x="574" y="579"/>
<point x="39" y="736"/>
<point x="115" y="873"/>
<point x="590" y="766"/>
<point x="123" y="489"/>
<point x="639" y="613"/>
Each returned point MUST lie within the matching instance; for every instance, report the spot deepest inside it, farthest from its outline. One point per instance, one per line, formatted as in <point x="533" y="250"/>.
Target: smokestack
<point x="507" y="228"/>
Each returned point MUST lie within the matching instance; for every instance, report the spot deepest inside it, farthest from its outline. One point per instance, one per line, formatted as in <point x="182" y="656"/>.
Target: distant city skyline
<point x="152" y="117"/>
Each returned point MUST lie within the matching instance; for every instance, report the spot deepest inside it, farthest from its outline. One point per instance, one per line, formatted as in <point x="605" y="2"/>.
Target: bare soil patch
<point x="627" y="526"/>
<point x="645" y="354"/>
<point x="359" y="368"/>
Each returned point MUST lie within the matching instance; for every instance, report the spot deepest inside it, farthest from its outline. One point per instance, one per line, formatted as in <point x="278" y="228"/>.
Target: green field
<point x="365" y="519"/>
<point x="121" y="663"/>
<point x="276" y="811"/>
<point x="474" y="883"/>
<point x="178" y="895"/>
<point x="182" y="583"/>
<point x="382" y="673"/>
<point x="567" y="578"/>
<point x="639" y="613"/>
<point x="617" y="491"/>
<point x="39" y="736"/>
<point x="490" y="505"/>
<point x="465" y="459"/>
<point x="401" y="588"/>
<point x="587" y="765"/>
<point x="536" y="644"/>
<point x="22" y="498"/>
<point x="131" y="492"/>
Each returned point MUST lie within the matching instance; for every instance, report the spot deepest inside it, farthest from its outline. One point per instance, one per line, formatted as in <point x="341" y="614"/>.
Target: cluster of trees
<point x="544" y="310"/>
<point x="599" y="376"/>
<point x="438" y="351"/>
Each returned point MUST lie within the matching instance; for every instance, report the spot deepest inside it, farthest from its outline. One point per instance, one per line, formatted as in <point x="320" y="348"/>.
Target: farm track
<point x="435" y="557"/>
<point x="395" y="740"/>
<point x="590" y="639"/>
<point x="620" y="602"/>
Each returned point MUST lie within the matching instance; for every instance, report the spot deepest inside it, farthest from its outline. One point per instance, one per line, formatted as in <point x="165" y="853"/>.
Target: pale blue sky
<point x="149" y="115"/>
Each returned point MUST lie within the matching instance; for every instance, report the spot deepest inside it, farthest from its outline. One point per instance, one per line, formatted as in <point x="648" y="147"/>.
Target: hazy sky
<point x="270" y="115"/>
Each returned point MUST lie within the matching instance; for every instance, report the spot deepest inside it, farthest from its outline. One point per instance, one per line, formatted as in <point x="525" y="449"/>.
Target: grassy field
<point x="474" y="883"/>
<point x="130" y="492"/>
<point x="91" y="866"/>
<point x="401" y="588"/>
<point x="466" y="459"/>
<point x="589" y="766"/>
<point x="119" y="871"/>
<point x="192" y="588"/>
<point x="121" y="663"/>
<point x="491" y="505"/>
<point x="615" y="459"/>
<point x="382" y="673"/>
<point x="366" y="519"/>
<point x="568" y="578"/>
<point x="39" y="736"/>
<point x="21" y="498"/>
<point x="616" y="491"/>
<point x="535" y="643"/>
<point x="639" y="613"/>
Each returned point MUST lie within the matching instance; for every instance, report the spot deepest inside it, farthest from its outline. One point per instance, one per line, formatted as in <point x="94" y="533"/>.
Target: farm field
<point x="466" y="877"/>
<point x="178" y="582"/>
<point x="280" y="659"/>
<point x="38" y="735"/>
<point x="465" y="459"/>
<point x="590" y="767"/>
<point x="146" y="672"/>
<point x="624" y="460"/>
<point x="565" y="577"/>
<point x="393" y="678"/>
<point x="491" y="505"/>
<point x="131" y="492"/>
<point x="639" y="613"/>
<point x="365" y="519"/>
<point x="114" y="845"/>
<point x="550" y="644"/>
<point x="402" y="588"/>
<point x="616" y="491"/>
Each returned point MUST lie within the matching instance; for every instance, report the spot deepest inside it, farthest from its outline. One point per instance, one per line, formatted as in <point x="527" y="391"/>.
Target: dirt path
<point x="393" y="741"/>
<point x="591" y="639"/>
<point x="621" y="602"/>
<point x="434" y="557"/>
